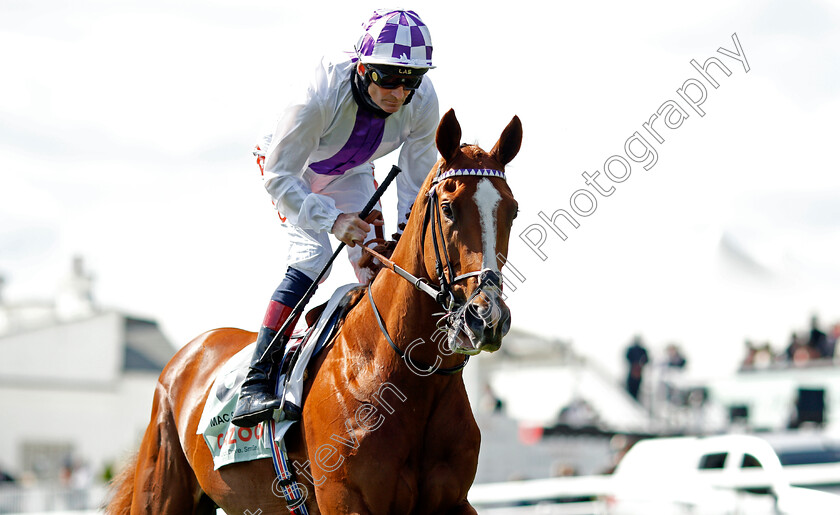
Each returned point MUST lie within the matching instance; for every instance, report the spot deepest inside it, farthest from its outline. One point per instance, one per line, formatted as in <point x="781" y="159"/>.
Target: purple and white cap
<point x="395" y="37"/>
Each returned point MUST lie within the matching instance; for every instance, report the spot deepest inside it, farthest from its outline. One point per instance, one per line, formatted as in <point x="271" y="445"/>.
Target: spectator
<point x="798" y="351"/>
<point x="832" y="339"/>
<point x="490" y="402"/>
<point x="637" y="358"/>
<point x="764" y="356"/>
<point x="817" y="340"/>
<point x="6" y="477"/>
<point x="675" y="357"/>
<point x="749" y="357"/>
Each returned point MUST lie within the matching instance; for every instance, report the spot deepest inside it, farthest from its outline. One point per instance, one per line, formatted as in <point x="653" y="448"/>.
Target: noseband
<point x="444" y="294"/>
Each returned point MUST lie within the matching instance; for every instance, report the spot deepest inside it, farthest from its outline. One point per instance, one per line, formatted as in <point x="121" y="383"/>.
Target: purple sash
<point x="363" y="142"/>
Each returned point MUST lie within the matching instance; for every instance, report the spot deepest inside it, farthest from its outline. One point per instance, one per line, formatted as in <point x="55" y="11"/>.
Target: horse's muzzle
<point x="486" y="321"/>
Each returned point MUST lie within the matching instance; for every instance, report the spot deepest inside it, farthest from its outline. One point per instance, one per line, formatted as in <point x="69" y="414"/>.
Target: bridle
<point x="452" y="316"/>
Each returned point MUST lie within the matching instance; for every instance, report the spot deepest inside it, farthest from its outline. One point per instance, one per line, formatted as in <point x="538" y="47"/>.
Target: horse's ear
<point x="448" y="137"/>
<point x="509" y="142"/>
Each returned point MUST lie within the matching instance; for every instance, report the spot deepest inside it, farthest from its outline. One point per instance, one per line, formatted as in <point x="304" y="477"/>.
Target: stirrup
<point x="290" y="411"/>
<point x="252" y="419"/>
<point x="254" y="406"/>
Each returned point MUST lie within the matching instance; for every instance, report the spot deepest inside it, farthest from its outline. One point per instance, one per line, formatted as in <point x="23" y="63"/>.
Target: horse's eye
<point x="446" y="208"/>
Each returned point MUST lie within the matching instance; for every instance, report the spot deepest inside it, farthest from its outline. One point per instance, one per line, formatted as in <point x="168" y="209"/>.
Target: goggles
<point x="392" y="77"/>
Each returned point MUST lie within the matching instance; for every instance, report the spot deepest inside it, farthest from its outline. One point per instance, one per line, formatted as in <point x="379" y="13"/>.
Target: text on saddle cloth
<point x="231" y="444"/>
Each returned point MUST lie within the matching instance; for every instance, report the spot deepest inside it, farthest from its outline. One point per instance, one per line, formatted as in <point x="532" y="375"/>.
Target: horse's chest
<point x="428" y="464"/>
<point x="399" y="447"/>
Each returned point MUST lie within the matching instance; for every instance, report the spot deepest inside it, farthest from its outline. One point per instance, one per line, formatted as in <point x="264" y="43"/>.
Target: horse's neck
<point x="409" y="314"/>
<point x="401" y="293"/>
<point x="406" y="311"/>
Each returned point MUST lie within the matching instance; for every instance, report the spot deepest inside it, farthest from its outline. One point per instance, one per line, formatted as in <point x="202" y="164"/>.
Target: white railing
<point x="493" y="499"/>
<point x="52" y="499"/>
<point x="576" y="495"/>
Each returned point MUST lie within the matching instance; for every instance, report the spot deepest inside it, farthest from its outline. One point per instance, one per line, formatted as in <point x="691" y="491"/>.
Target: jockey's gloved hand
<point x="351" y="229"/>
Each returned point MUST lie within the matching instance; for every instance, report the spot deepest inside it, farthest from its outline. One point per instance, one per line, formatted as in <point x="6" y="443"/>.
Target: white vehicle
<point x="717" y="475"/>
<point x="810" y="459"/>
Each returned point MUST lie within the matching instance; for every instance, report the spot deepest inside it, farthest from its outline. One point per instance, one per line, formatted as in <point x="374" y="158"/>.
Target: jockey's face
<point x="388" y="99"/>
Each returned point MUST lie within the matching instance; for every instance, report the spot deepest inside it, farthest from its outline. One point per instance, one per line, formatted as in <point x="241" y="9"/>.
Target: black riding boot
<point x="257" y="400"/>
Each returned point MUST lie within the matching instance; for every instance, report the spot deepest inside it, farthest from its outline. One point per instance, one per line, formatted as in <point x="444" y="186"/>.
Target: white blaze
<point x="487" y="199"/>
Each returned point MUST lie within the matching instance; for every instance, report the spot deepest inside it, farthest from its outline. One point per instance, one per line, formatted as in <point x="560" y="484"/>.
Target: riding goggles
<point x="392" y="77"/>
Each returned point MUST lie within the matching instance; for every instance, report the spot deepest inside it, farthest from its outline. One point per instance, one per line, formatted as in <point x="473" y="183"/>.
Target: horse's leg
<point x="334" y="498"/>
<point x="164" y="483"/>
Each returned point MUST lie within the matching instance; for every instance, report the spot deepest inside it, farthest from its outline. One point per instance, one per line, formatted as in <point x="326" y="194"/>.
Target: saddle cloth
<point x="231" y="444"/>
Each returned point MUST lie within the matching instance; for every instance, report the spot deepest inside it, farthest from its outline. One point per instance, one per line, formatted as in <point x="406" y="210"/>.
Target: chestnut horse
<point x="380" y="433"/>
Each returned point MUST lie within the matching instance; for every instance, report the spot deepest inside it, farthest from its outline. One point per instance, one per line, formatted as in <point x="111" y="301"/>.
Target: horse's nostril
<point x="480" y="312"/>
<point x="487" y="317"/>
<point x="506" y="324"/>
<point x="474" y="319"/>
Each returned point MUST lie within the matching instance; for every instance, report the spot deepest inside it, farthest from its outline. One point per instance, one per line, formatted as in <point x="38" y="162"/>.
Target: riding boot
<point x="257" y="400"/>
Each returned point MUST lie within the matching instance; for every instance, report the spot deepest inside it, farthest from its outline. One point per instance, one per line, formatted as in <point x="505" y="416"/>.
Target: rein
<point x="417" y="365"/>
<point x="443" y="295"/>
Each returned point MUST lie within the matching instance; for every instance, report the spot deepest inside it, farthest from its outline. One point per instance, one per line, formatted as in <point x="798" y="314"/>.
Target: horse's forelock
<point x="473" y="156"/>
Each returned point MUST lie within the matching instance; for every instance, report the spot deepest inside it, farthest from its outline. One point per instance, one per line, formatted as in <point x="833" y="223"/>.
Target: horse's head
<point x="469" y="215"/>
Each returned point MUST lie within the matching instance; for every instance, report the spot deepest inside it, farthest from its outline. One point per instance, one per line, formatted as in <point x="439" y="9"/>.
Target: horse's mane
<point x="387" y="248"/>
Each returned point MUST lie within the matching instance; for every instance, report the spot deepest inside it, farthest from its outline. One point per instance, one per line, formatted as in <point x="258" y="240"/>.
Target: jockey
<point x="318" y="168"/>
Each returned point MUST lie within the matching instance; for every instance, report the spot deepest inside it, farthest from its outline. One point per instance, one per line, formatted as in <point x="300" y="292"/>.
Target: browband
<point x="477" y="172"/>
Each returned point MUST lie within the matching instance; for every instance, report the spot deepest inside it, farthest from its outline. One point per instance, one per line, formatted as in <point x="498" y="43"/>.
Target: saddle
<point x="321" y="331"/>
<point x="231" y="444"/>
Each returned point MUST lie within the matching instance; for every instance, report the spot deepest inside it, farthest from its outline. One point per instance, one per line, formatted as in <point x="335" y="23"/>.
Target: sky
<point x="126" y="131"/>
